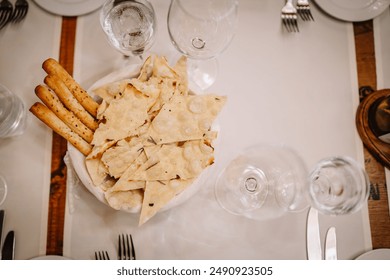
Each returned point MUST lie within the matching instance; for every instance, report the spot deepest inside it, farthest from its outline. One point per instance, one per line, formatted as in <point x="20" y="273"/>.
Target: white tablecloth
<point x="25" y="160"/>
<point x="296" y="89"/>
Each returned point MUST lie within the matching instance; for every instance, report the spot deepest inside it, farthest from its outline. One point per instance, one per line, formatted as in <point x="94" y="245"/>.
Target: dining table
<point x="300" y="89"/>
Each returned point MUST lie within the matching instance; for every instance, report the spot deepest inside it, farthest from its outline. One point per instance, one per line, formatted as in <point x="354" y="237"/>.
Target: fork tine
<point x="302" y="14"/>
<point x="286" y="25"/>
<point x="120" y="247"/>
<point x="310" y="15"/>
<point x="5" y="17"/>
<point x="291" y="23"/>
<point x="21" y="9"/>
<point x="132" y="248"/>
<point x="102" y="255"/>
<point x="126" y="250"/>
<point x="295" y="23"/>
<point x="107" y="257"/>
<point x="21" y="14"/>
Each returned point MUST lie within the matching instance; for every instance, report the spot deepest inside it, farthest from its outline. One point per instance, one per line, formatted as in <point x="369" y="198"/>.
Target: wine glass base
<point x="3" y="190"/>
<point x="338" y="186"/>
<point x="202" y="73"/>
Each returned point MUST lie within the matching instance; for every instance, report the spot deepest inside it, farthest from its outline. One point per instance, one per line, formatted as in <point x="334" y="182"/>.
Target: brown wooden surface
<point x="378" y="203"/>
<point x="55" y="227"/>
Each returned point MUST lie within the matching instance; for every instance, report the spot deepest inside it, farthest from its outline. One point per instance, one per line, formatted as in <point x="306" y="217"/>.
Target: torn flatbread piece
<point x="123" y="183"/>
<point x="178" y="160"/>
<point x="185" y="118"/>
<point x="123" y="117"/>
<point x="97" y="170"/>
<point x="117" y="158"/>
<point x="125" y="200"/>
<point x="158" y="194"/>
<point x="109" y="91"/>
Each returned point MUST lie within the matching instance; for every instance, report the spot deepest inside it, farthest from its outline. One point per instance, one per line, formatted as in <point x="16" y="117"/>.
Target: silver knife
<point x="331" y="244"/>
<point x="314" y="251"/>
<point x="8" y="251"/>
<point x="1" y="224"/>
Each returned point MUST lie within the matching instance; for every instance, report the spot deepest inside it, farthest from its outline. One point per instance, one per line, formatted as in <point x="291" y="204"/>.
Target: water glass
<point x="338" y="186"/>
<point x="130" y="25"/>
<point x="12" y="114"/>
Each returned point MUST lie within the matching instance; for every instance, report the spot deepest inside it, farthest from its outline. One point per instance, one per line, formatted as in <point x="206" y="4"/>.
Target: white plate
<point x="50" y="257"/>
<point x="78" y="159"/>
<point x="377" y="254"/>
<point x="70" y="7"/>
<point x="354" y="10"/>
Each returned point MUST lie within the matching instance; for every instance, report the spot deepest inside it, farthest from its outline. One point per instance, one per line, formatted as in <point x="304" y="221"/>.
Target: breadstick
<point x="70" y="101"/>
<point x="51" y="100"/>
<point x="52" y="67"/>
<point x="51" y="120"/>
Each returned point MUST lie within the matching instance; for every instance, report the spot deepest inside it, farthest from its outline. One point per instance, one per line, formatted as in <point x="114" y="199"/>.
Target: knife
<point x="1" y="224"/>
<point x="7" y="253"/>
<point x="314" y="251"/>
<point x="331" y="244"/>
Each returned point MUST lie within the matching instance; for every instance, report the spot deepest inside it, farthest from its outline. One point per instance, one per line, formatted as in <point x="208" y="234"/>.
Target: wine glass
<point x="263" y="182"/>
<point x="201" y="30"/>
<point x="130" y="25"/>
<point x="338" y="186"/>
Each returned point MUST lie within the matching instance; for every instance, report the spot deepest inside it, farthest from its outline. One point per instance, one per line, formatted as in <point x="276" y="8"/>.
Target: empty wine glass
<point x="130" y="25"/>
<point x="338" y="186"/>
<point x="264" y="182"/>
<point x="201" y="30"/>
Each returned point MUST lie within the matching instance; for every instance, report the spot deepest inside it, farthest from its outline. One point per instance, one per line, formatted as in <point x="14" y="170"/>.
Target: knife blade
<point x="1" y="224"/>
<point x="331" y="244"/>
<point x="7" y="253"/>
<point x="314" y="251"/>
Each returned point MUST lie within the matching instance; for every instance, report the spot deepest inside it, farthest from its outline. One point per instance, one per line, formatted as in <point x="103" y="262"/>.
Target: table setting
<point x="257" y="107"/>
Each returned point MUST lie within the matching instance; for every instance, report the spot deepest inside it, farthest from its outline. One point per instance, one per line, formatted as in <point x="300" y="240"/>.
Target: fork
<point x="304" y="11"/>
<point x="102" y="255"/>
<point x="289" y="17"/>
<point x="5" y="12"/>
<point x="21" y="9"/>
<point x="126" y="247"/>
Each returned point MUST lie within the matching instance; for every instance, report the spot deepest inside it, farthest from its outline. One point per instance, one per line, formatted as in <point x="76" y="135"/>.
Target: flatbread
<point x="158" y="194"/>
<point x="120" y="156"/>
<point x="173" y="161"/>
<point x="125" y="200"/>
<point x="123" y="117"/>
<point x="185" y="118"/>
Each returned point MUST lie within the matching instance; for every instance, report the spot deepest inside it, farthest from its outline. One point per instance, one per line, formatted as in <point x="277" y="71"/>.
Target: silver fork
<point x="21" y="9"/>
<point x="290" y="17"/>
<point x="304" y="11"/>
<point x="102" y="255"/>
<point x="6" y="9"/>
<point x="126" y="247"/>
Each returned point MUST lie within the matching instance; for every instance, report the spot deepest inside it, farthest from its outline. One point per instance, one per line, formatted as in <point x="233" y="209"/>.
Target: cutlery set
<point x="10" y="14"/>
<point x="314" y="251"/>
<point x="290" y="14"/>
<point x="8" y="247"/>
